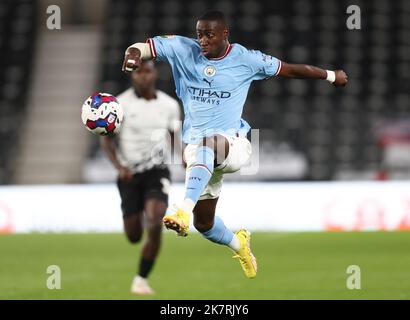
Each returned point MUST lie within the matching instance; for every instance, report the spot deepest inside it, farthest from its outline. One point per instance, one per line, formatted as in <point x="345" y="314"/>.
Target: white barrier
<point x="257" y="206"/>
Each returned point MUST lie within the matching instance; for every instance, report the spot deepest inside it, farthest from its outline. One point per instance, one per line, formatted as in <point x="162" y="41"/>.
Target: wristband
<point x="144" y="49"/>
<point x="331" y="76"/>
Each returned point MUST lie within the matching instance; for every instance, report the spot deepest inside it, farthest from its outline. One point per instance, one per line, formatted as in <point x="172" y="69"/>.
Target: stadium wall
<point x="327" y="206"/>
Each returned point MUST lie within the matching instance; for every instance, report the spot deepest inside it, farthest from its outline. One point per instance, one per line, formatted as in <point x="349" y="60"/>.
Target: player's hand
<point x="341" y="78"/>
<point x="132" y="60"/>
<point x="125" y="174"/>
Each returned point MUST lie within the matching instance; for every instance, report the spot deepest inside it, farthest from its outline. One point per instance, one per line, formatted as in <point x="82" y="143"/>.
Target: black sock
<point x="145" y="267"/>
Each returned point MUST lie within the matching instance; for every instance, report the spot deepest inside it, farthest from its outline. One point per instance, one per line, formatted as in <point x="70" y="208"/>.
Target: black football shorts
<point x="153" y="183"/>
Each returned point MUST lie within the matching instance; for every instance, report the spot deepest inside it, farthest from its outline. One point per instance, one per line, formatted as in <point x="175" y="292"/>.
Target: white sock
<point x="235" y="244"/>
<point x="187" y="205"/>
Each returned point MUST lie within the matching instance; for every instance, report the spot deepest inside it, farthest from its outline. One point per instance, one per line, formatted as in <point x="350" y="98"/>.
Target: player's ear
<point x="226" y="33"/>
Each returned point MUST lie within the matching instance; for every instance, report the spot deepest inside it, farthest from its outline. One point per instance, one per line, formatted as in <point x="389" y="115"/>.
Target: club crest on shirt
<point x="209" y="71"/>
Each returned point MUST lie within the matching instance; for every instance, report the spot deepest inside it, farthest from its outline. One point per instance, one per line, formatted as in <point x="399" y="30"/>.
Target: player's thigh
<point x="240" y="151"/>
<point x="131" y="194"/>
<point x="220" y="145"/>
<point x="156" y="185"/>
<point x="132" y="206"/>
<point x="204" y="214"/>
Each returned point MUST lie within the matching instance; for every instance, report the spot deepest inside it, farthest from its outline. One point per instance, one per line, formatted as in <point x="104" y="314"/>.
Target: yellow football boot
<point x="245" y="256"/>
<point x="178" y="221"/>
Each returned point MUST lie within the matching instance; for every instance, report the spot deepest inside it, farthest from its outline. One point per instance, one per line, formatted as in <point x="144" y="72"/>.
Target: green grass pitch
<point x="291" y="266"/>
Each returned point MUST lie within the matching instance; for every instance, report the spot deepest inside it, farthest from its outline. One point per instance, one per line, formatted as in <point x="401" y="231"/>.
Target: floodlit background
<point x="329" y="159"/>
<point x="308" y="130"/>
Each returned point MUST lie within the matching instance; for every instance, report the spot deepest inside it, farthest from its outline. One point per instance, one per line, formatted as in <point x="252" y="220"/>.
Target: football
<point x="102" y="114"/>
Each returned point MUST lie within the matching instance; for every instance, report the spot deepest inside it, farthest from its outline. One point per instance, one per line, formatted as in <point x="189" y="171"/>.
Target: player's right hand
<point x="132" y="60"/>
<point x="341" y="78"/>
<point x="125" y="174"/>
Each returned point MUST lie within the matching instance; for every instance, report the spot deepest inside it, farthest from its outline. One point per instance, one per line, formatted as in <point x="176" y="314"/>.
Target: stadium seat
<point x="328" y="125"/>
<point x="17" y="34"/>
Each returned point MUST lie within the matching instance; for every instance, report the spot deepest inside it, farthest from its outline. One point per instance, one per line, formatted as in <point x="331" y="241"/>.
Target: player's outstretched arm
<point x="134" y="55"/>
<point x="303" y="71"/>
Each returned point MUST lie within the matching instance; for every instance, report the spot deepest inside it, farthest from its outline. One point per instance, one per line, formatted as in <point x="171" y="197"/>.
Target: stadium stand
<point x="17" y="34"/>
<point x="332" y="128"/>
<point x="309" y="130"/>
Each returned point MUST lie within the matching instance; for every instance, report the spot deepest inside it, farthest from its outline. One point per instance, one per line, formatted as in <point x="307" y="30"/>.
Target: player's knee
<point x="134" y="237"/>
<point x="203" y="226"/>
<point x="219" y="145"/>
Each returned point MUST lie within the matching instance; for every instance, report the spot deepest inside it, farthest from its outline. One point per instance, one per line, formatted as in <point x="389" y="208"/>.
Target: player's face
<point x="212" y="36"/>
<point x="145" y="77"/>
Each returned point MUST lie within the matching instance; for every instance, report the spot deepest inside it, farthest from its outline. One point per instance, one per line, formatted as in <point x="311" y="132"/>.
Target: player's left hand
<point x="341" y="78"/>
<point x="125" y="174"/>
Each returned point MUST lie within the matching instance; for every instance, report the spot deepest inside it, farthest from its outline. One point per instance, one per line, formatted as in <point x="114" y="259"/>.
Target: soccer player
<point x="143" y="178"/>
<point x="212" y="79"/>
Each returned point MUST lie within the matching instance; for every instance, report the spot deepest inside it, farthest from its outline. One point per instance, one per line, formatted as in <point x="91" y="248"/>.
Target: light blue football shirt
<point x="212" y="91"/>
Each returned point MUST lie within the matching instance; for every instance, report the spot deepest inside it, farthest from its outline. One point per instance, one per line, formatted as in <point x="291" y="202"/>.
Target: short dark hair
<point x="214" y="16"/>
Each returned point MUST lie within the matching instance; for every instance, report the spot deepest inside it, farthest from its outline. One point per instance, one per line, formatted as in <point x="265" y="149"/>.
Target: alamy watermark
<point x="53" y="21"/>
<point x="54" y="279"/>
<point x="354" y="20"/>
<point x="244" y="158"/>
<point x="353" y="281"/>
